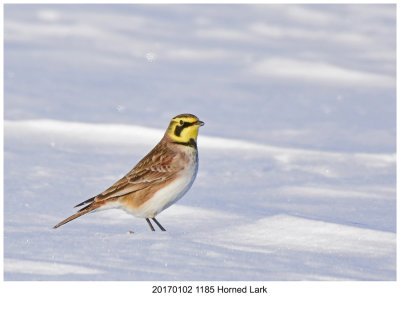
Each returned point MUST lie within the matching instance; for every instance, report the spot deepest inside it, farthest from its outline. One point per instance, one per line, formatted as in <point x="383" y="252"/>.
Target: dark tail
<point x="85" y="202"/>
<point x="81" y="212"/>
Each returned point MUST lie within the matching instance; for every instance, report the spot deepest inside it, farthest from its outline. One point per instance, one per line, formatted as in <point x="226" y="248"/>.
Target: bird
<point x="157" y="181"/>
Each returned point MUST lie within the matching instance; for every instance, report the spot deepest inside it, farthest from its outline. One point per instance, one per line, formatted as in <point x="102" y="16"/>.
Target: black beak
<point x="200" y="123"/>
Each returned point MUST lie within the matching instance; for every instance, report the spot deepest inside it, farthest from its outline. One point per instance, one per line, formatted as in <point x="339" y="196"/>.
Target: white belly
<point x="166" y="196"/>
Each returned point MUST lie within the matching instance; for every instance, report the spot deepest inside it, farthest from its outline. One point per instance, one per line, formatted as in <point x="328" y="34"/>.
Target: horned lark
<point x="163" y="176"/>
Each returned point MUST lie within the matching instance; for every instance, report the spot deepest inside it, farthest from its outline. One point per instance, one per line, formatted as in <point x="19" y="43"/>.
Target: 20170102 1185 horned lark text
<point x="208" y="289"/>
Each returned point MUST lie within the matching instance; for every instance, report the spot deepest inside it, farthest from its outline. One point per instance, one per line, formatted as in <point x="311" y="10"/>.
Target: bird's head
<point x="183" y="129"/>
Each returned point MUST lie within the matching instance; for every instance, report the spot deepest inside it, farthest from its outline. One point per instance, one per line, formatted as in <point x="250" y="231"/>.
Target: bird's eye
<point x="181" y="122"/>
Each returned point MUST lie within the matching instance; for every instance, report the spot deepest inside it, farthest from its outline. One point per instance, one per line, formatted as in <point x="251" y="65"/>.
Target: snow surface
<point x="297" y="177"/>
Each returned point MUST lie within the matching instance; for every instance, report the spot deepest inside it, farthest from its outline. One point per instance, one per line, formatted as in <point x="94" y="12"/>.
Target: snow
<point x="297" y="176"/>
<point x="287" y="206"/>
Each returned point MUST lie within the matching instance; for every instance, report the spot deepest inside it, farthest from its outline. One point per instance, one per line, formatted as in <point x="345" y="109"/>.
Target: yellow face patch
<point x="184" y="128"/>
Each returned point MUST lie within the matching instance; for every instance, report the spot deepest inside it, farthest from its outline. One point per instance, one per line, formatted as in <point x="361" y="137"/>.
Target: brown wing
<point x="159" y="165"/>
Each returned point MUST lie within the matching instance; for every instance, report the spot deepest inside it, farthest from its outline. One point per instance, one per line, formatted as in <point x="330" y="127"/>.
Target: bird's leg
<point x="151" y="227"/>
<point x="159" y="225"/>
